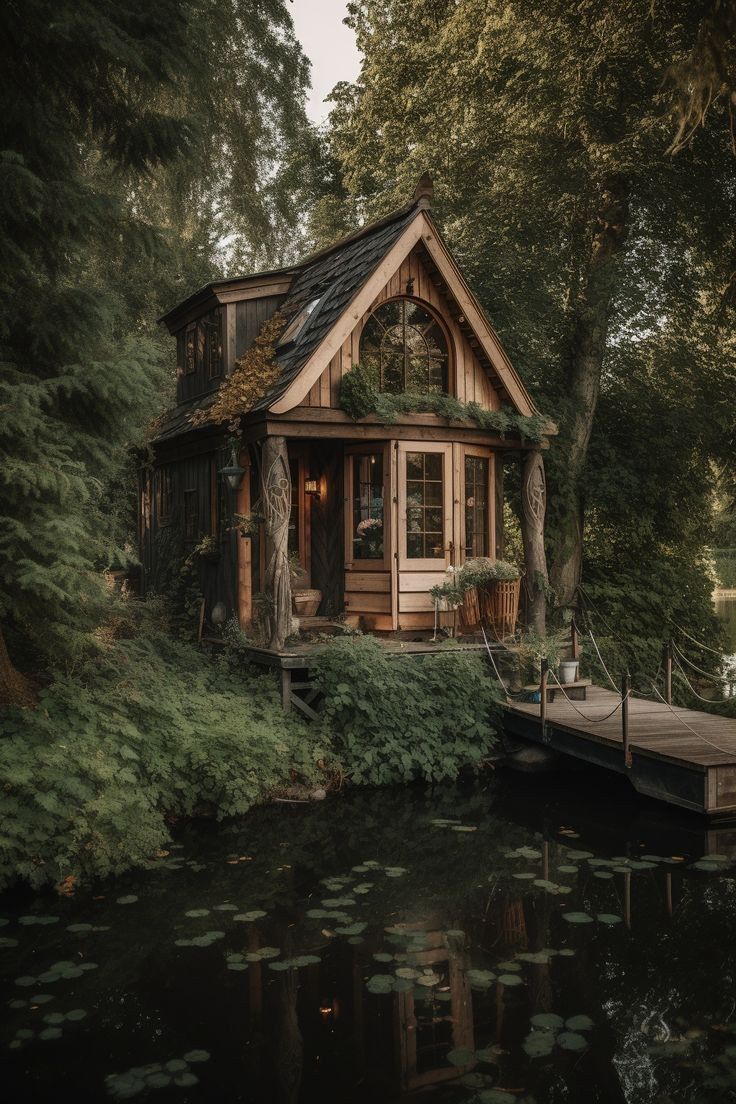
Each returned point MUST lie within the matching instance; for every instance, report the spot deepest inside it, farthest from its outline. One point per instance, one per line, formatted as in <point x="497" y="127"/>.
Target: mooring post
<point x="543" y="698"/>
<point x="574" y="640"/>
<point x="625" y="718"/>
<point x="668" y="672"/>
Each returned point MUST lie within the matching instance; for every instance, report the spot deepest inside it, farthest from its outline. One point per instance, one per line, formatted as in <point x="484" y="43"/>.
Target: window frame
<point x="488" y="454"/>
<point x="451" y="359"/>
<point x="376" y="448"/>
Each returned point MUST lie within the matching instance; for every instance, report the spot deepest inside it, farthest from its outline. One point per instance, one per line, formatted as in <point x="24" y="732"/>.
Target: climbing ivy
<point x="360" y="397"/>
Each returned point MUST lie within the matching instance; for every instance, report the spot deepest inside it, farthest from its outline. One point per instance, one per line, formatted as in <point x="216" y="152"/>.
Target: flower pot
<point x="499" y="605"/>
<point x="470" y="609"/>
<point x="305" y="603"/>
<point x="569" y="671"/>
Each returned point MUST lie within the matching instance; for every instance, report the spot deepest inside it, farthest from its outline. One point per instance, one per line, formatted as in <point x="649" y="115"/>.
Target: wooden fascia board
<point x="473" y="312"/>
<point x="360" y="303"/>
<point x="215" y="295"/>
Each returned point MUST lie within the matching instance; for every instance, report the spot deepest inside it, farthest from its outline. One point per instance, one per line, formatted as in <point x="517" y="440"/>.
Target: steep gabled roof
<point x="333" y="277"/>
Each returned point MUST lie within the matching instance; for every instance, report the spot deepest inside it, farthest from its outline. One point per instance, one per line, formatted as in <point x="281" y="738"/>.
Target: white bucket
<point x="569" y="671"/>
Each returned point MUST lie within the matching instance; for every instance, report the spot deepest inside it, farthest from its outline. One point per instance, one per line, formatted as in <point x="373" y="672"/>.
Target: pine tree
<point x="127" y="135"/>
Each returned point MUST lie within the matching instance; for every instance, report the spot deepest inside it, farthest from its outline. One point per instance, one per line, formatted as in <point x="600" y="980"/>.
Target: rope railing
<point x="590" y="720"/>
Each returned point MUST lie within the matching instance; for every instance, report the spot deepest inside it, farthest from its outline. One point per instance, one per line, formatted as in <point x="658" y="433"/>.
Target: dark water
<point x="524" y="939"/>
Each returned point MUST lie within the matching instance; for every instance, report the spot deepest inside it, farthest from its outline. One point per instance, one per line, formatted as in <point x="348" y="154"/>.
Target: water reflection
<point x="523" y="940"/>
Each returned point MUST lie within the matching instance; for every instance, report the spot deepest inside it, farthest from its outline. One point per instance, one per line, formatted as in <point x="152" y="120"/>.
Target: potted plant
<point x="305" y="601"/>
<point x="534" y="647"/>
<point x="497" y="584"/>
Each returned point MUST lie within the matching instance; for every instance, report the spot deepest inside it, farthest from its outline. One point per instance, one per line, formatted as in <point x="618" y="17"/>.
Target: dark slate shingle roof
<point x="334" y="279"/>
<point x="334" y="276"/>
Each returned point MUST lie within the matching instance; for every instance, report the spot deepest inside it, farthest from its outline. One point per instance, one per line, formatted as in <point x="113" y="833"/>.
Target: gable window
<point x="405" y="346"/>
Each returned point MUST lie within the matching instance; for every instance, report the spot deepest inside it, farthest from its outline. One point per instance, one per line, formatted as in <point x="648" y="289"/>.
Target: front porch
<point x="375" y="520"/>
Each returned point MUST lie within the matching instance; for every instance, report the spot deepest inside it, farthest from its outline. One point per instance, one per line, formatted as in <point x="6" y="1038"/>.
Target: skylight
<point x="297" y="324"/>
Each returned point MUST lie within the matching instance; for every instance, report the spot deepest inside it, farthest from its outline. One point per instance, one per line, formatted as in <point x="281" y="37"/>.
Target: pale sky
<point x="329" y="45"/>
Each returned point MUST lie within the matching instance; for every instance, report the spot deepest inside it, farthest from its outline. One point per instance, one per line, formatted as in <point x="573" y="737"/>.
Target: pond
<point x="519" y="939"/>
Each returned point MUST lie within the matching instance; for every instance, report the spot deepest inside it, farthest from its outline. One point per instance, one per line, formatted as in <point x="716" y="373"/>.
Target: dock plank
<point x="679" y="755"/>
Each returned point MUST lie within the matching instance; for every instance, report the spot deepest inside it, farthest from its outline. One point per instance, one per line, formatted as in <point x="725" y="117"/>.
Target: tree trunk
<point x="15" y="688"/>
<point x="588" y="347"/>
<point x="276" y="492"/>
<point x="533" y="508"/>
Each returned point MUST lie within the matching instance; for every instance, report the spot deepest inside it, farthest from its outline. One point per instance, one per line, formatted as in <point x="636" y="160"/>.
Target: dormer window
<point x="405" y="345"/>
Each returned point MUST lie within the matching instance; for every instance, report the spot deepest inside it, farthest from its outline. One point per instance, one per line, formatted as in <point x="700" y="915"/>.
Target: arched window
<point x="405" y="346"/>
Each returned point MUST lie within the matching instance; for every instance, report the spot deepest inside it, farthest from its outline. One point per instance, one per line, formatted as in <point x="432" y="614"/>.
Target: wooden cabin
<point x="377" y="512"/>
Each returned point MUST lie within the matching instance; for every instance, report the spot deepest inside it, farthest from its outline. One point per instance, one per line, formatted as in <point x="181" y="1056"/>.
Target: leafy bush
<point x="395" y="718"/>
<point x="146" y="727"/>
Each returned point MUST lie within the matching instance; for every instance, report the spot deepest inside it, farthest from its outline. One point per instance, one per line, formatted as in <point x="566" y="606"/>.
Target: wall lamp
<point x="312" y="487"/>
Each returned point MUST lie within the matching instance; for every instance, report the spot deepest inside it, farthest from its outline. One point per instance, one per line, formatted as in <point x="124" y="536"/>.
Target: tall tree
<point x="545" y="127"/>
<point x="133" y="139"/>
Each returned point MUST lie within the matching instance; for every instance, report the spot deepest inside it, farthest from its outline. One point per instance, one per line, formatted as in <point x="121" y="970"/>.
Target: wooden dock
<point x="681" y="756"/>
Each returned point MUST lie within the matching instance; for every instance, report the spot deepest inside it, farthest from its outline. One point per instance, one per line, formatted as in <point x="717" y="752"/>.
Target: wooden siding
<point x="250" y="314"/>
<point x="468" y="380"/>
<point x="163" y="542"/>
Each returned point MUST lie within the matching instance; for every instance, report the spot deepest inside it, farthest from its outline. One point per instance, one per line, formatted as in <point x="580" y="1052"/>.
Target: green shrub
<point x="396" y="718"/>
<point x="147" y="727"/>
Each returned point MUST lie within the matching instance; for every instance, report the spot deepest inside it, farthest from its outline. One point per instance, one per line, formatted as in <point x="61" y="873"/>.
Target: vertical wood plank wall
<point x="469" y="383"/>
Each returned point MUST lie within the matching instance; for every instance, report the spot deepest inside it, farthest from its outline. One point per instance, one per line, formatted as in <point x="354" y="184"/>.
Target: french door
<point x="444" y="515"/>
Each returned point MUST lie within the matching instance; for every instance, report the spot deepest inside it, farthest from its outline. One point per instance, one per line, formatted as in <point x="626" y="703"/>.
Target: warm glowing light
<point x="311" y="487"/>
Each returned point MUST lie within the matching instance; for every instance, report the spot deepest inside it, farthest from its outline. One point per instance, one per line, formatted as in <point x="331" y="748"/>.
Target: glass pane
<point x="405" y="345"/>
<point x="476" y="506"/>
<point x="433" y="465"/>
<point x="425" y="536"/>
<point x="368" y="518"/>
<point x="415" y="465"/>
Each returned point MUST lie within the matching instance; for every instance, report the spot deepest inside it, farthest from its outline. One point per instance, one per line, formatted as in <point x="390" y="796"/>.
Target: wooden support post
<point x="543" y="697"/>
<point x="286" y="689"/>
<point x="574" y="640"/>
<point x="668" y="672"/>
<point x="627" y="900"/>
<point x="545" y="860"/>
<point x="668" y="891"/>
<point x="625" y="718"/>
<point x="245" y="552"/>
<point x="276" y="494"/>
<point x="533" y="509"/>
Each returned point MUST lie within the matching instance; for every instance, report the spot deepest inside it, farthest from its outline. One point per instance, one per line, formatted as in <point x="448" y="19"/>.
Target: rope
<point x="690" y="727"/>
<point x="698" y="642"/>
<point x="715" y="678"/>
<point x="694" y="692"/>
<point x="600" y="657"/>
<point x="591" y="720"/>
<point x="495" y="668"/>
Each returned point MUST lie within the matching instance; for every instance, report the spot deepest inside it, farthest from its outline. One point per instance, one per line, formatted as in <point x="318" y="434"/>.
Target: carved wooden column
<point x="533" y="507"/>
<point x="276" y="494"/>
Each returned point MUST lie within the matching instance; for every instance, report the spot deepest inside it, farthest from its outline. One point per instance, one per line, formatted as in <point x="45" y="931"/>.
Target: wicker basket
<point x="305" y="603"/>
<point x="499" y="606"/>
<point x="470" y="610"/>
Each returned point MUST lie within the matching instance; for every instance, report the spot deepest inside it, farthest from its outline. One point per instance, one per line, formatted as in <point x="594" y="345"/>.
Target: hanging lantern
<point x="233" y="473"/>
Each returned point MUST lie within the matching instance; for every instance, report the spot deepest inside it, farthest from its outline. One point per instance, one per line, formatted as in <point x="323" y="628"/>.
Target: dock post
<point x="668" y="672"/>
<point x="543" y="698"/>
<point x="625" y="718"/>
<point x="574" y="640"/>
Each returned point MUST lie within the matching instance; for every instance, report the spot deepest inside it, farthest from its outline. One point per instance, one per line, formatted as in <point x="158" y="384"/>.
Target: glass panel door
<point x="476" y="498"/>
<point x="425" y="507"/>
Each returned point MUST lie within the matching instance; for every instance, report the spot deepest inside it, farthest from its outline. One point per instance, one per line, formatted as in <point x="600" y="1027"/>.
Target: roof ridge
<point x="356" y="235"/>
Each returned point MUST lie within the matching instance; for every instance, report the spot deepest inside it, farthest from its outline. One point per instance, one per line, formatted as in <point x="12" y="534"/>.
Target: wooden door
<point x="427" y="540"/>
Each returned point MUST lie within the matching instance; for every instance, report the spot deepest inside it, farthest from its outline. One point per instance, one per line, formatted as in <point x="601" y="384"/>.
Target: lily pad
<point x="194" y="913"/>
<point x="455" y="933"/>
<point x="567" y="868"/>
<point x="402" y="985"/>
<point x="704" y="864"/>
<point x="602" y="874"/>
<point x="196" y="1056"/>
<point x="25" y="981"/>
<point x="579" y="1023"/>
<point x="548" y="1021"/>
<point x="381" y="956"/>
<point x="395" y="871"/>
<point x="406" y="972"/>
<point x="380" y="983"/>
<point x="249" y="917"/>
<point x="40" y="998"/>
<point x="129" y="899"/>
<point x="28" y="920"/>
<point x="524" y="876"/>
<point x="539" y="1044"/>
<point x="185" y="1080"/>
<point x="79" y="928"/>
<point x="50" y="1033"/>
<point x="577" y="917"/>
<point x="237" y="967"/>
<point x="510" y="980"/>
<point x="570" y="1040"/>
<point x="428" y="980"/>
<point x="7" y="942"/>
<point x="608" y="918"/>
<point x="351" y="929"/>
<point x="76" y="1015"/>
<point x="461" y="1056"/>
